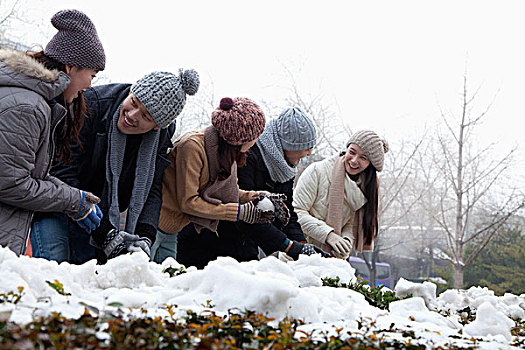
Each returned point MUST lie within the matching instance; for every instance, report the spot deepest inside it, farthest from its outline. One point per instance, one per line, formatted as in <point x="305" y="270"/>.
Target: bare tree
<point x="332" y="132"/>
<point x="399" y="171"/>
<point x="470" y="182"/>
<point x="9" y="14"/>
<point x="197" y="112"/>
<point x="398" y="198"/>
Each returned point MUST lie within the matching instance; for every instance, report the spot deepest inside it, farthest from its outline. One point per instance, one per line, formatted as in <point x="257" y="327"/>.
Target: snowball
<point x="265" y="204"/>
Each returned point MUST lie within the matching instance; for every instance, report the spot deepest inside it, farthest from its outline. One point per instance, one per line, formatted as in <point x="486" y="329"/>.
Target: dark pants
<point x="237" y="240"/>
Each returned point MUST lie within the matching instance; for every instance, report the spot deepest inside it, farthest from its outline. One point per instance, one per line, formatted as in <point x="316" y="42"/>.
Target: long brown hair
<point x="227" y="155"/>
<point x="70" y="128"/>
<point x="370" y="188"/>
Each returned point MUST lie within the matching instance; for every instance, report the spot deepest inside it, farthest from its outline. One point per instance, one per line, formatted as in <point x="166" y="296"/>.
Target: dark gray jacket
<point x="28" y="117"/>
<point x="87" y="169"/>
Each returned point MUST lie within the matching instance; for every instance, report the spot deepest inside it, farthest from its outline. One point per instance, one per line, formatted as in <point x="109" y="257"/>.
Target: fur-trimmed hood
<point x="18" y="69"/>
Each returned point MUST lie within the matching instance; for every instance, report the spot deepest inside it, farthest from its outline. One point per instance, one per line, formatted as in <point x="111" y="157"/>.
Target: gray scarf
<point x="273" y="154"/>
<point x="144" y="173"/>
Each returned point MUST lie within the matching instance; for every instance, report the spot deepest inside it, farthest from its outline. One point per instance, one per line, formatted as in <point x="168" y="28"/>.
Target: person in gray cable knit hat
<point x="285" y="141"/>
<point x="125" y="143"/>
<point x="271" y="168"/>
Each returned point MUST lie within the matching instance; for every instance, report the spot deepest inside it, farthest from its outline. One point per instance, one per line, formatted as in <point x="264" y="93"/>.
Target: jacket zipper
<point x="52" y="134"/>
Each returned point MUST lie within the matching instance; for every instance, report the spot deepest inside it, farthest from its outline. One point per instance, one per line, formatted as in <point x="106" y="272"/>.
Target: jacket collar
<point x="18" y="69"/>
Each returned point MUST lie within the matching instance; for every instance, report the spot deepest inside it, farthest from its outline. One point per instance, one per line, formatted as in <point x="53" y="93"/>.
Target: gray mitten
<point x="143" y="244"/>
<point x="120" y="242"/>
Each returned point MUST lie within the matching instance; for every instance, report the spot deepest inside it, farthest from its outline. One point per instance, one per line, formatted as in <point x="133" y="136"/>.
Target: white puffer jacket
<point x="310" y="201"/>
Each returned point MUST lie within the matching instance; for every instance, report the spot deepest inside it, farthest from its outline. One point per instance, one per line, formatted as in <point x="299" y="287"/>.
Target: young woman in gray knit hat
<point x="42" y="109"/>
<point x="121" y="159"/>
<point x="337" y="199"/>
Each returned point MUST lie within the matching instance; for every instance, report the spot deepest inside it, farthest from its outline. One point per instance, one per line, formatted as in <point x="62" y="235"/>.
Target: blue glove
<point x="88" y="215"/>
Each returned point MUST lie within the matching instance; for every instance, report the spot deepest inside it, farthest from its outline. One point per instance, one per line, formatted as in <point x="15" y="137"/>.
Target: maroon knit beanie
<point x="238" y="120"/>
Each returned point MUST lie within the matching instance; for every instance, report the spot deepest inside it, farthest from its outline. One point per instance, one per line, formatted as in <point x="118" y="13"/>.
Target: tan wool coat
<point x="184" y="179"/>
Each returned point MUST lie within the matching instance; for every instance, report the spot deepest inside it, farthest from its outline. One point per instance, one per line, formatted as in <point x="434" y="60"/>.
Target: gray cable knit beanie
<point x="296" y="129"/>
<point x="76" y="43"/>
<point x="163" y="94"/>
<point x="372" y="145"/>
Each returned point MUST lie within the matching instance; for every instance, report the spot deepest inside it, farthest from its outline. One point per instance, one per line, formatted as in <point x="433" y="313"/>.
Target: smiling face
<point x="80" y="80"/>
<point x="134" y="118"/>
<point x="355" y="160"/>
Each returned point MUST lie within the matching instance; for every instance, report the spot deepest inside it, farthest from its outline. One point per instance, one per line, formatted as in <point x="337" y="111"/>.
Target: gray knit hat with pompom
<point x="372" y="145"/>
<point x="76" y="43"/>
<point x="163" y="94"/>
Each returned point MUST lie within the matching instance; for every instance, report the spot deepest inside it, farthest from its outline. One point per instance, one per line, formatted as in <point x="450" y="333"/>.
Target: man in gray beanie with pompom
<point x="121" y="159"/>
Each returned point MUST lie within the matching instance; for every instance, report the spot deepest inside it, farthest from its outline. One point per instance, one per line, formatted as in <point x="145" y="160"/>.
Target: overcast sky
<point x="385" y="65"/>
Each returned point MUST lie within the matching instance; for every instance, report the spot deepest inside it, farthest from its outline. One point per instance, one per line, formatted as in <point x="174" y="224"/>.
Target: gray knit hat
<point x="164" y="94"/>
<point x="372" y="145"/>
<point x="76" y="43"/>
<point x="296" y="129"/>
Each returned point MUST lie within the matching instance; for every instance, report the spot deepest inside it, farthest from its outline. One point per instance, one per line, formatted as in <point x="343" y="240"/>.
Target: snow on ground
<point x="269" y="286"/>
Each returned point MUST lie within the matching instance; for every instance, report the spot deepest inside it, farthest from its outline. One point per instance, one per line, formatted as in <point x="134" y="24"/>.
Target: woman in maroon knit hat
<point x="200" y="186"/>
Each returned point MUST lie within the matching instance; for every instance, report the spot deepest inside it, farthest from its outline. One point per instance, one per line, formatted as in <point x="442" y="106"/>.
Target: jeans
<point x="54" y="236"/>
<point x="165" y="246"/>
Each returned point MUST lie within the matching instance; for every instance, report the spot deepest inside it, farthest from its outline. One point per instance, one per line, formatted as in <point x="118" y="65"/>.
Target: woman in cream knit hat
<point x="337" y="199"/>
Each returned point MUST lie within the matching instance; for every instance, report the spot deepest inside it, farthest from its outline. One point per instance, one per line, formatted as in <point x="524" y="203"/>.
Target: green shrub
<point x="375" y="296"/>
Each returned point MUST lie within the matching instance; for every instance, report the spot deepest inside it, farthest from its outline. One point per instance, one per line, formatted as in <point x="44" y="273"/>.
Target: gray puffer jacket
<point x="28" y="118"/>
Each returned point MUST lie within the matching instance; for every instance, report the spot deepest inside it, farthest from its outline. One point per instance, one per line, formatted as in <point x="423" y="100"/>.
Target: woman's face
<point x="293" y="157"/>
<point x="355" y="160"/>
<point x="80" y="80"/>
<point x="134" y="118"/>
<point x="246" y="146"/>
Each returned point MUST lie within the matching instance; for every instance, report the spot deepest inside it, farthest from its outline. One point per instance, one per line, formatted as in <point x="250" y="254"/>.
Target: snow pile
<point x="511" y="305"/>
<point x="269" y="286"/>
<point x="425" y="290"/>
<point x="489" y="321"/>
